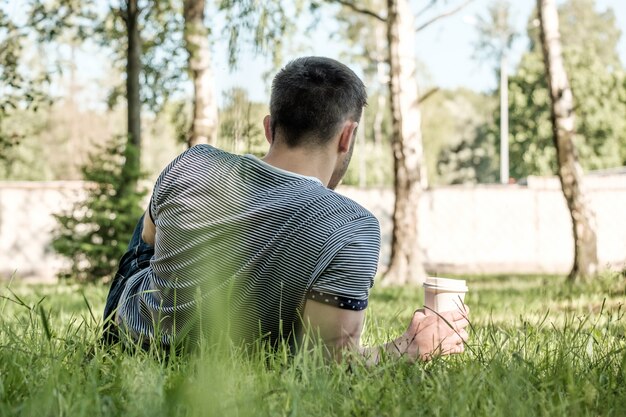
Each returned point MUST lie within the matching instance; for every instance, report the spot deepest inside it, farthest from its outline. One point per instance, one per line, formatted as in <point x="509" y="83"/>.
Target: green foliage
<point x="596" y="77"/>
<point x="240" y="124"/>
<point x="531" y="146"/>
<point x="163" y="56"/>
<point x="371" y="165"/>
<point x="266" y="25"/>
<point x="456" y="149"/>
<point x="60" y="129"/>
<point x="18" y="89"/>
<point x="473" y="160"/>
<point x="71" y="133"/>
<point x="495" y="31"/>
<point x="52" y="19"/>
<point x="161" y="27"/>
<point x="537" y="348"/>
<point x="95" y="232"/>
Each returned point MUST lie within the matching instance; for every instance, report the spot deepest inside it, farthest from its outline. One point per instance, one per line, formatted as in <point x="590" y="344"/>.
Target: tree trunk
<point x="132" y="165"/>
<point x="381" y="57"/>
<point x="204" y="124"/>
<point x="570" y="171"/>
<point x="406" y="264"/>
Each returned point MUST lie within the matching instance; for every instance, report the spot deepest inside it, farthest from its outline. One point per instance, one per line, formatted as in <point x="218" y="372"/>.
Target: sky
<point x="446" y="48"/>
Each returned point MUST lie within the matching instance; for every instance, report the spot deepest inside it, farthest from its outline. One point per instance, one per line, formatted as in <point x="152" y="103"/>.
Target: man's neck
<point x="303" y="161"/>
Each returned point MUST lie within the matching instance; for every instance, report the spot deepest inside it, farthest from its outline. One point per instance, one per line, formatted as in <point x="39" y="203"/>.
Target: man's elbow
<point x="149" y="230"/>
<point x="147" y="237"/>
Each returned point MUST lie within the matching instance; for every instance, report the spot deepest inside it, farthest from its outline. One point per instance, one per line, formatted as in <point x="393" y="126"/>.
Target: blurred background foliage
<point x="94" y="232"/>
<point x="460" y="127"/>
<point x="56" y="123"/>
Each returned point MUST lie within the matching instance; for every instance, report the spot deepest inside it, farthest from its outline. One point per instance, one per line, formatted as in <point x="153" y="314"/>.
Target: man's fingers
<point x="455" y="349"/>
<point x="429" y="311"/>
<point x="450" y="316"/>
<point x="419" y="314"/>
<point x="444" y="350"/>
<point x="461" y="324"/>
<point x="453" y="325"/>
<point x="460" y="314"/>
<point x="455" y="339"/>
<point x="463" y="335"/>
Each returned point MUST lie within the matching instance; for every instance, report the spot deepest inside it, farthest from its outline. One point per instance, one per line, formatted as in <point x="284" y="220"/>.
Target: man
<point x="263" y="248"/>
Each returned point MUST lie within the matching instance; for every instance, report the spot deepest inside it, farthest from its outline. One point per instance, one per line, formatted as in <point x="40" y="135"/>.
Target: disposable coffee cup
<point x="444" y="294"/>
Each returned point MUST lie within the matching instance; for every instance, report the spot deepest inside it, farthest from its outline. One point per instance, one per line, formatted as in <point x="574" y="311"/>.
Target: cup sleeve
<point x="347" y="277"/>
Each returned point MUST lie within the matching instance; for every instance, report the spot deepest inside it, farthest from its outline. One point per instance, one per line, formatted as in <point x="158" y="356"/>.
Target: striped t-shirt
<point x="240" y="245"/>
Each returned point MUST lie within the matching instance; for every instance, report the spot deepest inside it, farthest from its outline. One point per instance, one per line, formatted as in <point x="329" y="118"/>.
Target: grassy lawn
<point x="539" y="348"/>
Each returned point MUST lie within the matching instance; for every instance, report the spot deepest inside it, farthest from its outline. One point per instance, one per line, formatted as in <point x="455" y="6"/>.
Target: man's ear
<point x="347" y="136"/>
<point x="267" y="125"/>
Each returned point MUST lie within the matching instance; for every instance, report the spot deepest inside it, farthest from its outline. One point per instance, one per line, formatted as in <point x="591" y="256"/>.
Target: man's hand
<point x="431" y="334"/>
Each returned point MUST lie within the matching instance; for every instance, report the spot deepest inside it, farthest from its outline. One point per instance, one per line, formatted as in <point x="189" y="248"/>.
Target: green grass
<point x="539" y="348"/>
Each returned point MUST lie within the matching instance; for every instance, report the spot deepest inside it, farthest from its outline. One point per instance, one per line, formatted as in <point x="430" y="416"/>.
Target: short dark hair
<point x="311" y="97"/>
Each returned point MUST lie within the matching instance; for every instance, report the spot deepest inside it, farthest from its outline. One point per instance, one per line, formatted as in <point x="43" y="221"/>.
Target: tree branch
<point x="428" y="94"/>
<point x="444" y="14"/>
<point x="361" y="10"/>
<point x="430" y="4"/>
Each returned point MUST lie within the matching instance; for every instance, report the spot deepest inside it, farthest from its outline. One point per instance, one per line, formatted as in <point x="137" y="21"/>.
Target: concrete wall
<point x="481" y="229"/>
<point x="505" y="228"/>
<point x="26" y="226"/>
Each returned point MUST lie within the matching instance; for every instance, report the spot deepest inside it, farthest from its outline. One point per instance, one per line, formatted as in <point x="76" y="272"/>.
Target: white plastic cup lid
<point x="446" y="284"/>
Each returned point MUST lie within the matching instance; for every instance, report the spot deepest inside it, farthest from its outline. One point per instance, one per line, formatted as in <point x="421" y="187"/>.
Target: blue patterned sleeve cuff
<point x="337" y="301"/>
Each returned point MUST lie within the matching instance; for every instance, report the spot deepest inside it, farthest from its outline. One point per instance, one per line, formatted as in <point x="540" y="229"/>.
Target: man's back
<point x="240" y="245"/>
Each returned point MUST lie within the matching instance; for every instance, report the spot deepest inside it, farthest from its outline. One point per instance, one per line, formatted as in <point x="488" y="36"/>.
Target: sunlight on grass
<point x="538" y="347"/>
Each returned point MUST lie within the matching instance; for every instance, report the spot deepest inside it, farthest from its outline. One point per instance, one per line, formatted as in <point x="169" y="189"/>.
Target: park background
<point x="76" y="97"/>
<point x="71" y="60"/>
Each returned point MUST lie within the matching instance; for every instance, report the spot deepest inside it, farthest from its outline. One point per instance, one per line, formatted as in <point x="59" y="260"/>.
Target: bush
<point x="95" y="232"/>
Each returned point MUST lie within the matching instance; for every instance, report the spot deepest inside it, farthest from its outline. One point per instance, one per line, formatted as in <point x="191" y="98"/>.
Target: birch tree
<point x="407" y="260"/>
<point x="569" y="169"/>
<point x="409" y="169"/>
<point x="204" y="124"/>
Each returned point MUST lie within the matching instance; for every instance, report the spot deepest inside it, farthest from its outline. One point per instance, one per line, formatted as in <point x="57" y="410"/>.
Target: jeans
<point x="136" y="258"/>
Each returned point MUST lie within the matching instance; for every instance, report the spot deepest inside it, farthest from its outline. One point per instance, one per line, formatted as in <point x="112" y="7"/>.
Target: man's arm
<point x="427" y="335"/>
<point x="149" y="230"/>
<point x="338" y="329"/>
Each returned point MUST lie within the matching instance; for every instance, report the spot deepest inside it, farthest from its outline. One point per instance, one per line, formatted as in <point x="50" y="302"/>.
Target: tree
<point x="368" y="47"/>
<point x="150" y="52"/>
<point x="596" y="78"/>
<point x="204" y="123"/>
<point x="17" y="89"/>
<point x="142" y="41"/>
<point x="267" y="25"/>
<point x="239" y="123"/>
<point x="470" y="153"/>
<point x="95" y="237"/>
<point x="93" y="234"/>
<point x="406" y="264"/>
<point x="496" y="35"/>
<point x="130" y="14"/>
<point x="569" y="170"/>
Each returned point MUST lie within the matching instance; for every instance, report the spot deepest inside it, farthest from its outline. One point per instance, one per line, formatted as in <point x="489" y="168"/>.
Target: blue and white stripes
<point x="240" y="245"/>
